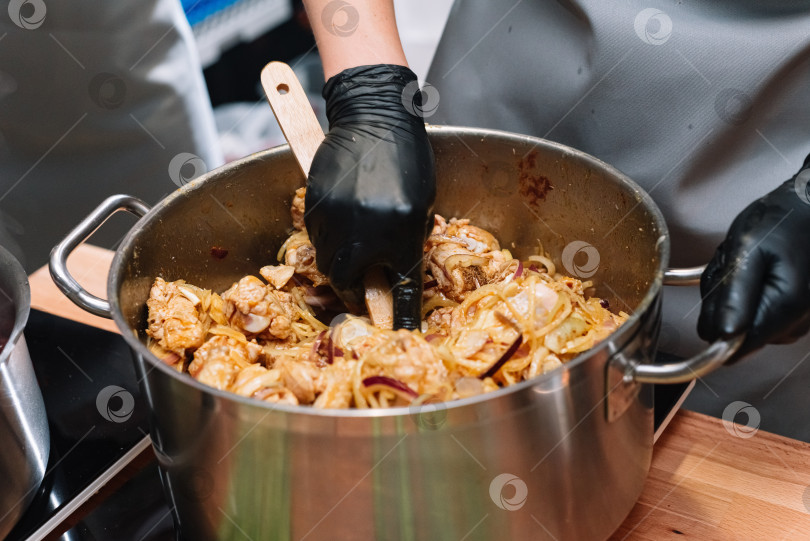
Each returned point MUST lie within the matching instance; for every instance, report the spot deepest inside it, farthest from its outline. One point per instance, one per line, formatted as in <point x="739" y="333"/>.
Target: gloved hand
<point x="758" y="281"/>
<point x="371" y="187"/>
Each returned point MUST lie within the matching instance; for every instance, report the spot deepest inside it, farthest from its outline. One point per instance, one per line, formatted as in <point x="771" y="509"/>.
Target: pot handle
<point x="58" y="260"/>
<point x="701" y="364"/>
<point x="689" y="276"/>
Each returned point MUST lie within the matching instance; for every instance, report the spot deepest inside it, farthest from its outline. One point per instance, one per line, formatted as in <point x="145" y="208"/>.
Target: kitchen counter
<point x="705" y="482"/>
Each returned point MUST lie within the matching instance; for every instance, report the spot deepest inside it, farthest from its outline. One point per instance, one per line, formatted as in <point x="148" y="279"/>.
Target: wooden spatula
<point x="300" y="126"/>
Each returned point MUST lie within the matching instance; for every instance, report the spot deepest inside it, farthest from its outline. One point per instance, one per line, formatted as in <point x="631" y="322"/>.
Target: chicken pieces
<point x="299" y="253"/>
<point x="255" y="308"/>
<point x="462" y="257"/>
<point x="220" y="358"/>
<point x="174" y="319"/>
<point x="488" y="323"/>
<point x="401" y="355"/>
<point x="297" y="209"/>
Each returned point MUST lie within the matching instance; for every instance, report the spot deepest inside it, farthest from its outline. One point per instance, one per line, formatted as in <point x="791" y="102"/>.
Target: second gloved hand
<point x="758" y="282"/>
<point x="371" y="187"/>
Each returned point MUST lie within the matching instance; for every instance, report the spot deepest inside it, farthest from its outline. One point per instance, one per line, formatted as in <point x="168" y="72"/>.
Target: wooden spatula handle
<point x="300" y="126"/>
<point x="293" y="112"/>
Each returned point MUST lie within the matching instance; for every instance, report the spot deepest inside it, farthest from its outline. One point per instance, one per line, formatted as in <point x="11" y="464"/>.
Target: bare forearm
<point x="354" y="33"/>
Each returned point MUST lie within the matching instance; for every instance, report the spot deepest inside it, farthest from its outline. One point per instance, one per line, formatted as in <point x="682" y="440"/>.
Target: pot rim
<point x="20" y="297"/>
<point x="620" y="336"/>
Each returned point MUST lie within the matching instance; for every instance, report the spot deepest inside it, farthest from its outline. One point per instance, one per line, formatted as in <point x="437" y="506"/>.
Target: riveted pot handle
<point x="701" y="364"/>
<point x="58" y="260"/>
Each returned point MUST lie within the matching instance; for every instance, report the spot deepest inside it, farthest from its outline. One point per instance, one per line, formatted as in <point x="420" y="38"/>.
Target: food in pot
<point x="489" y="320"/>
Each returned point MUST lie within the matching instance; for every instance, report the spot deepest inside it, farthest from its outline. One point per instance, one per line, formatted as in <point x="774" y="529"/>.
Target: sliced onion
<point x="316" y="348"/>
<point x="519" y="271"/>
<point x="332" y="351"/>
<point x="171" y="359"/>
<point x="505" y="357"/>
<point x="534" y="268"/>
<point x="391" y="384"/>
<point x="433" y="336"/>
<point x="469" y="387"/>
<point x="464" y="260"/>
<point x="508" y="320"/>
<point x="187" y="293"/>
<point x="255" y="324"/>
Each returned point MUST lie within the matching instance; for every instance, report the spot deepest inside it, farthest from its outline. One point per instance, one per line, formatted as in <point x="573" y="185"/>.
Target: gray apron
<point x="96" y="98"/>
<point x="704" y="104"/>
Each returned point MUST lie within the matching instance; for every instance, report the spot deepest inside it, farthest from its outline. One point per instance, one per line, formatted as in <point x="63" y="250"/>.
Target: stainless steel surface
<point x="698" y="366"/>
<point x="23" y="423"/>
<point x="683" y="277"/>
<point x="58" y="260"/>
<point x="238" y="468"/>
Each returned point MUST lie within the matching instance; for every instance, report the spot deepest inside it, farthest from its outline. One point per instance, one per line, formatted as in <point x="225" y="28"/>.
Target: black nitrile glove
<point x="758" y="281"/>
<point x="371" y="187"/>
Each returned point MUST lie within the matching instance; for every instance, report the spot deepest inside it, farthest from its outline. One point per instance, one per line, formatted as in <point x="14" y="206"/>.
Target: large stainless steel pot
<point x="563" y="456"/>
<point x="24" y="434"/>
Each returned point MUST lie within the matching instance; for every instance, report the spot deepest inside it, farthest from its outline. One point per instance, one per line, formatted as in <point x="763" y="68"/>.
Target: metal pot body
<point x="23" y="422"/>
<point x="562" y="456"/>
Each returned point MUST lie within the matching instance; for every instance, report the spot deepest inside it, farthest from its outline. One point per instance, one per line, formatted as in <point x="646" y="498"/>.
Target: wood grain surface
<point x="705" y="483"/>
<point x="89" y="265"/>
<point x="294" y="113"/>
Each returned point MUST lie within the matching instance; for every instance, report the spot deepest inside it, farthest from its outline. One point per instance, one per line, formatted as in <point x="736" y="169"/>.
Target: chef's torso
<point x="705" y="104"/>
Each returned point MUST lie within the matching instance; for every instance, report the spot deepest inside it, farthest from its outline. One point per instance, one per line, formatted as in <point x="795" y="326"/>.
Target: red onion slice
<point x="324" y="348"/>
<point x="391" y="384"/>
<point x="519" y="271"/>
<point x="332" y="350"/>
<point x="317" y="347"/>
<point x="505" y="357"/>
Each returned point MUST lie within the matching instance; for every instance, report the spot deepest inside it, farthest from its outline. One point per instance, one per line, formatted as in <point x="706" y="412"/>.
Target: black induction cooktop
<point x="95" y="416"/>
<point x="98" y="426"/>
